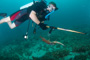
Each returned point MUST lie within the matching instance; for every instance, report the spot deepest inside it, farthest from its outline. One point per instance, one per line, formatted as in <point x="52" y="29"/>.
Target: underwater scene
<point x="65" y="36"/>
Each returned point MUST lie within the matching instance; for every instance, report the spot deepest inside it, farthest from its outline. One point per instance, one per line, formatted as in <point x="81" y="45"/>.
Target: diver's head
<point x="52" y="7"/>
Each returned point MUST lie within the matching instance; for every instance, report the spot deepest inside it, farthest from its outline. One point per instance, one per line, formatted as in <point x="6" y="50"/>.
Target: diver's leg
<point x="11" y="25"/>
<point x="6" y="19"/>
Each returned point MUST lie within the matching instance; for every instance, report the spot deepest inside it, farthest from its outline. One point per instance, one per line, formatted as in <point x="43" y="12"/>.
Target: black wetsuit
<point x="23" y="15"/>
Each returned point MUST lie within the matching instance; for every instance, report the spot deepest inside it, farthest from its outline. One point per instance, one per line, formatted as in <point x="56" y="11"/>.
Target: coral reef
<point x="55" y="55"/>
<point x="81" y="49"/>
<point x="76" y="47"/>
<point x="60" y="53"/>
<point x="80" y="57"/>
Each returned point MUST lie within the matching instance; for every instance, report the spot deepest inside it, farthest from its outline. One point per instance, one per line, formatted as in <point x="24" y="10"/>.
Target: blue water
<point x="71" y="13"/>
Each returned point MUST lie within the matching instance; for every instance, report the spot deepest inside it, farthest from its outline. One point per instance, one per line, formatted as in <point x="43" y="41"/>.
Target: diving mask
<point x="51" y="7"/>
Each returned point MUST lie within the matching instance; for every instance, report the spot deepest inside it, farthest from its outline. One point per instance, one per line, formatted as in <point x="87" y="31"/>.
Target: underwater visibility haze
<point x="69" y="40"/>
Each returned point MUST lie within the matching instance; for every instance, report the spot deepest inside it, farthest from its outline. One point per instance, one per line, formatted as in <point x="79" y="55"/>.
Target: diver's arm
<point x="34" y="17"/>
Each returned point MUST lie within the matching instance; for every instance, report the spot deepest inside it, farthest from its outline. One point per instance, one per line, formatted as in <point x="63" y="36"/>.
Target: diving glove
<point x="43" y="26"/>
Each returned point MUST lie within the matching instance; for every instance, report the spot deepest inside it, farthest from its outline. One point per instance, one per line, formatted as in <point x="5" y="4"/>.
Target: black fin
<point x="3" y="14"/>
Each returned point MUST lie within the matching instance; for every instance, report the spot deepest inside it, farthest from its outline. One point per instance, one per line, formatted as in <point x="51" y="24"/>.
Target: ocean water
<point x="72" y="14"/>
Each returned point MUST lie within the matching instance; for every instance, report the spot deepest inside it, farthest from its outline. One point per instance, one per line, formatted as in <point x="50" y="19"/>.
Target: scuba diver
<point x="37" y="12"/>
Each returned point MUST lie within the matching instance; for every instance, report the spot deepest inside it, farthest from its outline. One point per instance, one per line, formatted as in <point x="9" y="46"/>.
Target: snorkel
<point x="50" y="9"/>
<point x="46" y="17"/>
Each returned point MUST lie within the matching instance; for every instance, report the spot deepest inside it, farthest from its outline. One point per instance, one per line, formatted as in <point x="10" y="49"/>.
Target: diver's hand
<point x="43" y="26"/>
